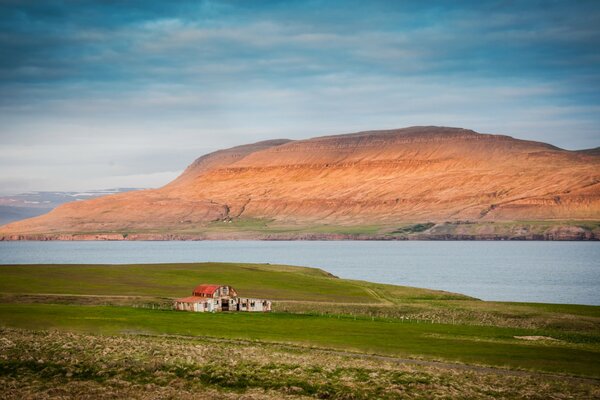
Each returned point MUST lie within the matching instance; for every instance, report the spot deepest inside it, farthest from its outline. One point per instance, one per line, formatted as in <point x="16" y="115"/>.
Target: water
<point x="550" y="272"/>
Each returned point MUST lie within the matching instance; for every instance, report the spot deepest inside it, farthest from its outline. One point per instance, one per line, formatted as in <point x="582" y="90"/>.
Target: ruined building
<point x="217" y="298"/>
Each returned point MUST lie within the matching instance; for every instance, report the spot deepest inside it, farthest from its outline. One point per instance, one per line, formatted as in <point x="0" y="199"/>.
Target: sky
<point x="127" y="94"/>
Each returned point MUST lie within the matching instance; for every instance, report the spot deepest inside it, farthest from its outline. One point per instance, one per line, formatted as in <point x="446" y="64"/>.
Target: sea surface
<point x="549" y="272"/>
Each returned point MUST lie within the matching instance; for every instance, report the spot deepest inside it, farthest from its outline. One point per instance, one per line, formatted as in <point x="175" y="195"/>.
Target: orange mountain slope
<point x="383" y="178"/>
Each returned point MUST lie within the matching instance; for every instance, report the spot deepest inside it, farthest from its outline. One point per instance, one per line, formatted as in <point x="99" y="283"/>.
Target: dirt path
<point x="377" y="296"/>
<point x="81" y="299"/>
<point x="103" y="296"/>
<point x="335" y="303"/>
<point x="54" y="296"/>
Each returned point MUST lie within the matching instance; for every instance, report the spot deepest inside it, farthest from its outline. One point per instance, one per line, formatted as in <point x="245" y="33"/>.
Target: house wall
<point x="254" y="305"/>
<point x="207" y="306"/>
<point x="195" y="307"/>
<point x="183" y="306"/>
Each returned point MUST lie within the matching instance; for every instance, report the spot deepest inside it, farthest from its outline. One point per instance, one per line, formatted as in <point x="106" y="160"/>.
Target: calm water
<point x="553" y="272"/>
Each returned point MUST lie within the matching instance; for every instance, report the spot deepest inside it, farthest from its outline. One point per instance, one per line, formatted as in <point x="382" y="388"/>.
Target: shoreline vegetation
<point x="267" y="229"/>
<point x="106" y="331"/>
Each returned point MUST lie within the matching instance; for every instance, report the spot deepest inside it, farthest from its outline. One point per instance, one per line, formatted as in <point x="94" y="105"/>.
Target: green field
<point x="463" y="343"/>
<point x="58" y="364"/>
<point x="312" y="309"/>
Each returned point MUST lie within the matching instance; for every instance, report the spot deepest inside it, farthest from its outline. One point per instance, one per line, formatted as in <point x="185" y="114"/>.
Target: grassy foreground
<point x="313" y="310"/>
<point x="74" y="365"/>
<point x="463" y="343"/>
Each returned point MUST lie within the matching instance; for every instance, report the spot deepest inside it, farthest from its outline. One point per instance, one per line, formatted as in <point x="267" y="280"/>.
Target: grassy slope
<point x="578" y="352"/>
<point x="277" y="282"/>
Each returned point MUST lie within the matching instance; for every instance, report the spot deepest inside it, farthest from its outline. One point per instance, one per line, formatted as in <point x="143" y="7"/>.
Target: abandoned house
<point x="216" y="298"/>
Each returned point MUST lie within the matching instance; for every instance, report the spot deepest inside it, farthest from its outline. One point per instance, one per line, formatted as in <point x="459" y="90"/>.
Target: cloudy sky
<point x="101" y="94"/>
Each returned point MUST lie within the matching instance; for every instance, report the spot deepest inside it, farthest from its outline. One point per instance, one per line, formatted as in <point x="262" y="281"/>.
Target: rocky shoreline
<point x="548" y="236"/>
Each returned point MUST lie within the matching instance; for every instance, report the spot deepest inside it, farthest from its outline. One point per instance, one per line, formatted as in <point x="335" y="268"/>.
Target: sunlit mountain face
<point x="376" y="182"/>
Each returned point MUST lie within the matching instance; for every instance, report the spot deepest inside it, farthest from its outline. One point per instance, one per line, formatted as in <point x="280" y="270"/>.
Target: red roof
<point x="192" y="299"/>
<point x="206" y="290"/>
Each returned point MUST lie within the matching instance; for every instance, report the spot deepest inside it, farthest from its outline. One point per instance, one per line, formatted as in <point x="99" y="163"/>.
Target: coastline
<point x="286" y="237"/>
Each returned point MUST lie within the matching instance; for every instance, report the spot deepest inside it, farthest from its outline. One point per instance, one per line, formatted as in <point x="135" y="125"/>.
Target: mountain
<point x="418" y="182"/>
<point x="31" y="204"/>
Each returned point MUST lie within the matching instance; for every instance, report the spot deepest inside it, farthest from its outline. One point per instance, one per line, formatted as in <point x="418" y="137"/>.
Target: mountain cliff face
<point x="386" y="179"/>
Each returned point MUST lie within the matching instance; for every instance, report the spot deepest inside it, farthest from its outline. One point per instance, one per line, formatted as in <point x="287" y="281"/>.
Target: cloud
<point x="89" y="83"/>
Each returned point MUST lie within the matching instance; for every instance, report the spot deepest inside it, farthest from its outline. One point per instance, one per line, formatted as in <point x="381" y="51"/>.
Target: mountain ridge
<point x="387" y="178"/>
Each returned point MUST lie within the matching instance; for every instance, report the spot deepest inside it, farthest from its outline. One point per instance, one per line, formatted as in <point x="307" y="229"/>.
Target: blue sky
<point x="104" y="94"/>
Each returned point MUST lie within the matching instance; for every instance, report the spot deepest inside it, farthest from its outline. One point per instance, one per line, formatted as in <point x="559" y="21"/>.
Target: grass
<point x="416" y="228"/>
<point x="314" y="311"/>
<point x="270" y="226"/>
<point x="463" y="343"/>
<point x="75" y="365"/>
<point x="510" y="228"/>
<point x="277" y="282"/>
<point x="407" y="230"/>
<point x="294" y="289"/>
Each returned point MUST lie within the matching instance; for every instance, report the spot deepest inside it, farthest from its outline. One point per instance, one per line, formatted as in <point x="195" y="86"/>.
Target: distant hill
<point x="31" y="204"/>
<point x="418" y="182"/>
